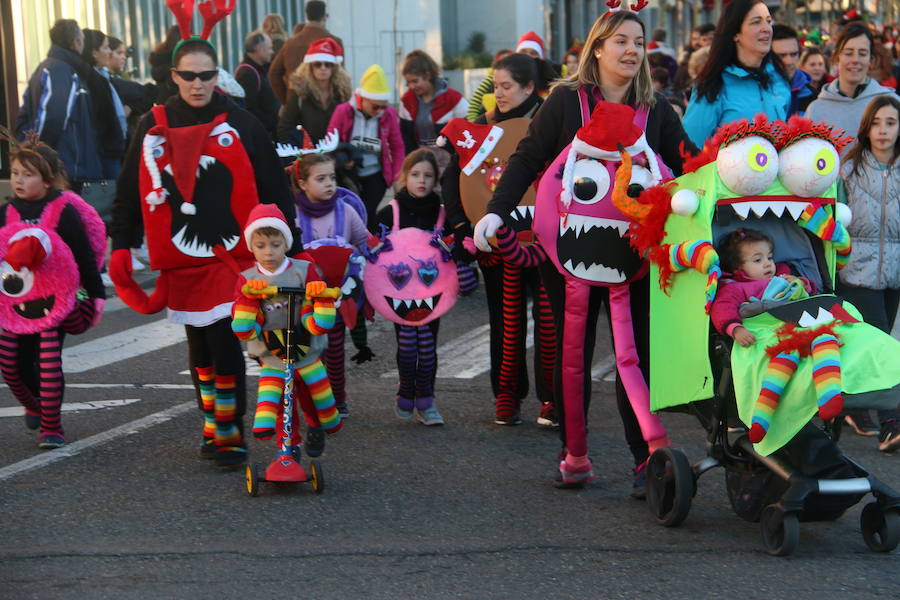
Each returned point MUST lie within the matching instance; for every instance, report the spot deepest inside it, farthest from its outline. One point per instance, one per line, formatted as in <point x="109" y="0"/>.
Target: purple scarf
<point x="315" y="209"/>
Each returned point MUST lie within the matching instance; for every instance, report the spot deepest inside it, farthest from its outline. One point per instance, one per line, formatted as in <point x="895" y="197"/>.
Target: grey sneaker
<point x="430" y="416"/>
<point x="403" y="413"/>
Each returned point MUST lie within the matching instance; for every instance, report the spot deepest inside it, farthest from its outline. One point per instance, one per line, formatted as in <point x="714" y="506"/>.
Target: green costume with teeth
<point x="679" y="334"/>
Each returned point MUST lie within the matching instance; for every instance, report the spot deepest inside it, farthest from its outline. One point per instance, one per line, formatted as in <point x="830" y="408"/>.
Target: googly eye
<point x="225" y="140"/>
<point x="748" y="166"/>
<point x="158" y="152"/>
<point x="269" y="308"/>
<point x="590" y="181"/>
<point x="809" y="167"/>
<point x="15" y="283"/>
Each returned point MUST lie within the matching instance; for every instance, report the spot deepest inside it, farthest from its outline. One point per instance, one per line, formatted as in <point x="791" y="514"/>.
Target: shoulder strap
<point x="395" y="208"/>
<point x="255" y="72"/>
<point x="159" y="115"/>
<point x="585" y="107"/>
<point x="439" y="224"/>
<point x="51" y="213"/>
<point x="640" y="117"/>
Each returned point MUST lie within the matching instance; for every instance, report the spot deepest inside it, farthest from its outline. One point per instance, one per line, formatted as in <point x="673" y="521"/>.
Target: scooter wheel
<point x="315" y="475"/>
<point x="252" y="476"/>
<point x="880" y="528"/>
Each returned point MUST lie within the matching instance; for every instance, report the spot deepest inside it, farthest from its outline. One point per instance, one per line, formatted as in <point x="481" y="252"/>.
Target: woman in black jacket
<point x="613" y="68"/>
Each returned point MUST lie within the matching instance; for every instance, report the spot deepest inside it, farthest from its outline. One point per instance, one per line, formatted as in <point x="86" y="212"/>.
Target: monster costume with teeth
<point x="779" y="178"/>
<point x="191" y="177"/>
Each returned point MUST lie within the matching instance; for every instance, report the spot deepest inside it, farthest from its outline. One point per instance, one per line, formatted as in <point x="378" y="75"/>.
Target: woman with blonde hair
<point x="318" y="86"/>
<point x="273" y="26"/>
<point x="613" y="68"/>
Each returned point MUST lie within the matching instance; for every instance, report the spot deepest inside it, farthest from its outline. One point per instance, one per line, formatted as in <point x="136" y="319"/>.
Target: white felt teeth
<point x="581" y="224"/>
<point x="522" y="212"/>
<point x="199" y="249"/>
<point x="409" y="304"/>
<point x="595" y="272"/>
<point x="822" y="317"/>
<point x="777" y="208"/>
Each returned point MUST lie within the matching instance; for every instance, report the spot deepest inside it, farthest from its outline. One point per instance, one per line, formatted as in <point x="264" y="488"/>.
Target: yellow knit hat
<point x="374" y="84"/>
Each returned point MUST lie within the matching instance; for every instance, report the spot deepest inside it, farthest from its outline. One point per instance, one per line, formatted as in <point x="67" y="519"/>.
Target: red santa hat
<point x="324" y="50"/>
<point x="473" y="142"/>
<point x="28" y="248"/>
<point x="653" y="47"/>
<point x="267" y="215"/>
<point x="611" y="125"/>
<point x="531" y="41"/>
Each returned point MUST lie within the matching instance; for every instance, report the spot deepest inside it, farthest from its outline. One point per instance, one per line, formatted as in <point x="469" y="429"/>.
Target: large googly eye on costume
<point x="590" y="181"/>
<point x="269" y="308"/>
<point x="641" y="179"/>
<point x="748" y="166"/>
<point x="15" y="283"/>
<point x="807" y="168"/>
<point x="399" y="274"/>
<point x="225" y="140"/>
<point x="428" y="271"/>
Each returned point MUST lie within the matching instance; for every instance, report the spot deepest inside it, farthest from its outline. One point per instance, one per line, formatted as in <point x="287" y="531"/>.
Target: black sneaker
<point x="342" y="409"/>
<point x="639" y="481"/>
<point x="208" y="448"/>
<point x="889" y="440"/>
<point x="315" y="442"/>
<point x="32" y="421"/>
<point x="231" y="457"/>
<point x="862" y="423"/>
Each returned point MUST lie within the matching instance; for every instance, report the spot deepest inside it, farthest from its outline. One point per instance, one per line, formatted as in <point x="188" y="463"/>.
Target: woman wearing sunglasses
<point x="317" y="86"/>
<point x="195" y="168"/>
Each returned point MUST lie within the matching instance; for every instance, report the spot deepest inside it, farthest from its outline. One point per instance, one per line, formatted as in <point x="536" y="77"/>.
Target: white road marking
<point x="18" y="411"/>
<point x="51" y="456"/>
<point x="134" y="386"/>
<point x="126" y="344"/>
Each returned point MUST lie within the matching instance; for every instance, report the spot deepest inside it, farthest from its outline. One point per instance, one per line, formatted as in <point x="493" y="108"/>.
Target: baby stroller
<point x="796" y="472"/>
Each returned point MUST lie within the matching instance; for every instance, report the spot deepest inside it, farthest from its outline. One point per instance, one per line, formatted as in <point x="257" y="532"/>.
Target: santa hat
<point x="653" y="47"/>
<point x="473" y="142"/>
<point x="324" y="50"/>
<point x="374" y="84"/>
<point x="267" y="215"/>
<point x="28" y="248"/>
<point x="531" y="41"/>
<point x="611" y="125"/>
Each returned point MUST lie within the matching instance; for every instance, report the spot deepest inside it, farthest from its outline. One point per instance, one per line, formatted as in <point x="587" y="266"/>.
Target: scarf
<point x="521" y="110"/>
<point x="315" y="209"/>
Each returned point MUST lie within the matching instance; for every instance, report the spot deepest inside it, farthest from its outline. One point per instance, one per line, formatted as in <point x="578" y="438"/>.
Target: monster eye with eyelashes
<point x="748" y="166"/>
<point x="428" y="271"/>
<point x="590" y="181"/>
<point x="808" y="168"/>
<point x="398" y="274"/>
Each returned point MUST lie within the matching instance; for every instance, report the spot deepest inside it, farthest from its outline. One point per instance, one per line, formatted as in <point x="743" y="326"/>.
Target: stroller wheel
<point x="252" y="476"/>
<point x="880" y="528"/>
<point x="780" y="530"/>
<point x="315" y="475"/>
<point x="670" y="486"/>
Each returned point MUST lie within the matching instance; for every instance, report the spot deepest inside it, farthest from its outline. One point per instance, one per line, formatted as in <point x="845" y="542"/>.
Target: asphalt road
<point x="129" y="510"/>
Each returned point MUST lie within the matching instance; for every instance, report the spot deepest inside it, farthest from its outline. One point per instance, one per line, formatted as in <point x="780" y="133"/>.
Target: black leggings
<point x="640" y="312"/>
<point x="216" y="346"/>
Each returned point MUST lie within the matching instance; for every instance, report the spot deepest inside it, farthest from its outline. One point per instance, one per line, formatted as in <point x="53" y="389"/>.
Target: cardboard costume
<point x="779" y="178"/>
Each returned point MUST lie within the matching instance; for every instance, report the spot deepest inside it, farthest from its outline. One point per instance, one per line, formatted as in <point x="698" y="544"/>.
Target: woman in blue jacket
<point x="742" y="78"/>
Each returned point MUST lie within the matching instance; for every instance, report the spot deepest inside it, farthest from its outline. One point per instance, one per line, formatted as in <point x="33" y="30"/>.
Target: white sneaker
<point x="430" y="416"/>
<point x="136" y="265"/>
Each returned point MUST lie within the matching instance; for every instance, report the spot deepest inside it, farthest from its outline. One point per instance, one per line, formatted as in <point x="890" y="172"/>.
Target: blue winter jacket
<point x="741" y="97"/>
<point x="800" y="91"/>
<point x="57" y="105"/>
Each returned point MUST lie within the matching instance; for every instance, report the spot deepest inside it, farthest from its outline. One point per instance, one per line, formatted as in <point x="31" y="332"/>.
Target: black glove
<point x="365" y="354"/>
<point x="459" y="251"/>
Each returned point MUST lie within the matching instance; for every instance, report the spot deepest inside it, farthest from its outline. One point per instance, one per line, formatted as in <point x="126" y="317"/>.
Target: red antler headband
<point x="616" y="6"/>
<point x="212" y="12"/>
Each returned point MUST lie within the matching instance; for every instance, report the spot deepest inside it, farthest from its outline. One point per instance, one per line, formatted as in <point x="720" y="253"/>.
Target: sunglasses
<point x="322" y="65"/>
<point x="192" y="75"/>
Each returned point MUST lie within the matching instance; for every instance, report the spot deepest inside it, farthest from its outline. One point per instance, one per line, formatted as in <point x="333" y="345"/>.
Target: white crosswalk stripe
<point x="126" y="344"/>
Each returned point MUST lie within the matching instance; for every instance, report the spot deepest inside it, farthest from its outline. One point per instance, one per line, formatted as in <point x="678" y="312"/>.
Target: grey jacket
<point x="874" y="198"/>
<point x="843" y="111"/>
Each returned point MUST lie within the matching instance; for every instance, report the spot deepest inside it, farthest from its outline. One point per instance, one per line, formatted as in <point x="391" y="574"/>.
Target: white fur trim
<point x="188" y="208"/>
<point x="279" y="224"/>
<point x="640" y="146"/>
<point x="373" y="96"/>
<point x="528" y="44"/>
<point x="329" y="58"/>
<point x="36" y="233"/>
<point x="486" y="148"/>
<point x="568" y="176"/>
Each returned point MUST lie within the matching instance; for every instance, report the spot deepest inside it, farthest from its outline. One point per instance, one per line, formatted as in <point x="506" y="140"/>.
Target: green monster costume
<point x="780" y="178"/>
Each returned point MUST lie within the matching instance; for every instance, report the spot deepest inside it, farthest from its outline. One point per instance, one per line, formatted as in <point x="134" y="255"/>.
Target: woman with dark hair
<point x="613" y="69"/>
<point x="206" y="163"/>
<point x="428" y="102"/>
<point x="814" y="63"/>
<point x="742" y="77"/>
<point x="161" y="65"/>
<point x="508" y="286"/>
<point x="109" y="111"/>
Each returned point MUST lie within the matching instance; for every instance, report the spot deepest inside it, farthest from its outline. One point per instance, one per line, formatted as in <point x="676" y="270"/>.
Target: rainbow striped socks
<point x="780" y="370"/>
<point x="207" y="384"/>
<point x="269" y="392"/>
<point x="228" y="436"/>
<point x="316" y="379"/>
<point x="826" y="357"/>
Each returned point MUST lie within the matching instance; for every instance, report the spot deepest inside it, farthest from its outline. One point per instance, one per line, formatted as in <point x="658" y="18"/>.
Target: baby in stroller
<point x="776" y="181"/>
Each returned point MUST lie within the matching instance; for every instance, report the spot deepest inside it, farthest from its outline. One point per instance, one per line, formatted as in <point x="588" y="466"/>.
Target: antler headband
<point x="212" y="12"/>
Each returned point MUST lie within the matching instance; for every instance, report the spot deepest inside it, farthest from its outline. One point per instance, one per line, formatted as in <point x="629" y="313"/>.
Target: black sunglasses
<point x="192" y="75"/>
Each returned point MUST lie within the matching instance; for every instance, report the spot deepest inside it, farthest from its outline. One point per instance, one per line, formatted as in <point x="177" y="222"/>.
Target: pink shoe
<point x="575" y="471"/>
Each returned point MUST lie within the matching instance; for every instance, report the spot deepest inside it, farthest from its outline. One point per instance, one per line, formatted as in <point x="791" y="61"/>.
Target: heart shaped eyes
<point x="428" y="272"/>
<point x="399" y="274"/>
